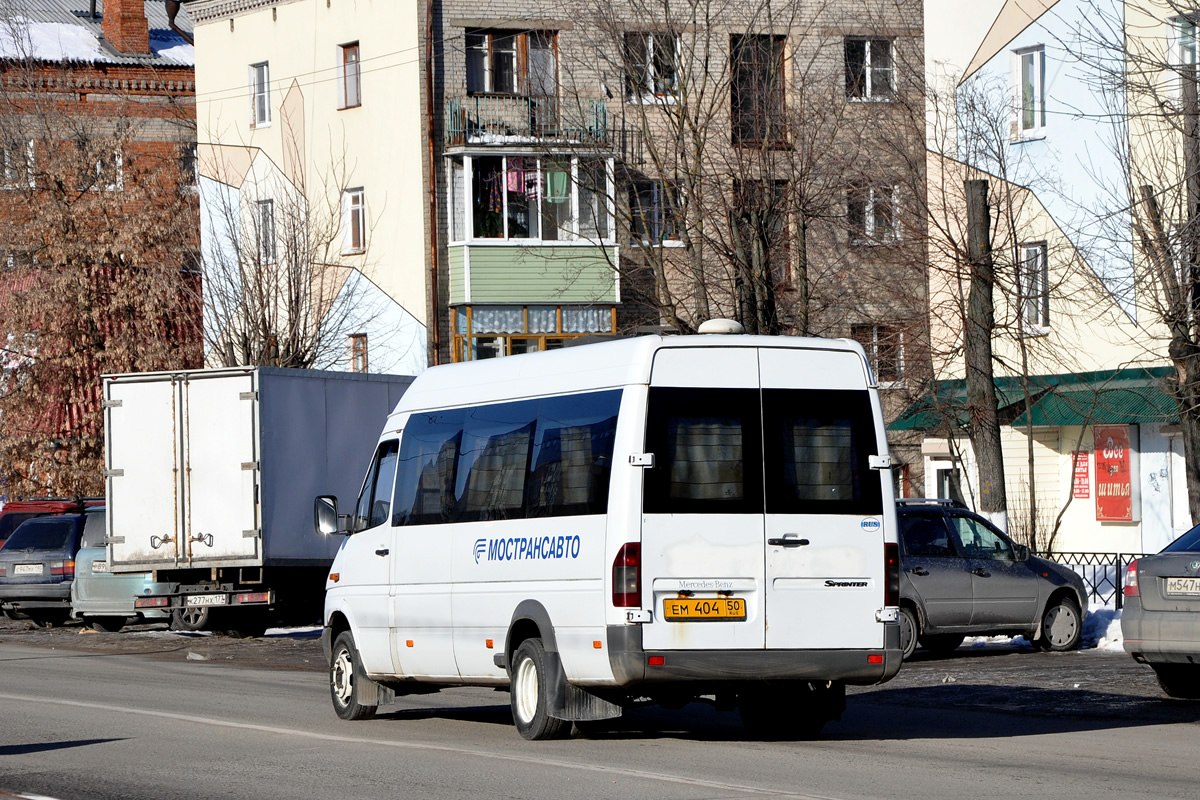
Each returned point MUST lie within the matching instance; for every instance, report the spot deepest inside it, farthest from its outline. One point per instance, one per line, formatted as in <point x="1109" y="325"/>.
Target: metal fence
<point x="1102" y="573"/>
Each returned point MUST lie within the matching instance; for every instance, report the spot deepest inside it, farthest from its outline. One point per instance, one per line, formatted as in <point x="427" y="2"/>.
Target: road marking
<point x="622" y="770"/>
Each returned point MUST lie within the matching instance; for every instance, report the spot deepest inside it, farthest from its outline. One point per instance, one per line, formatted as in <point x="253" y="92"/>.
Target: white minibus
<point x="658" y="519"/>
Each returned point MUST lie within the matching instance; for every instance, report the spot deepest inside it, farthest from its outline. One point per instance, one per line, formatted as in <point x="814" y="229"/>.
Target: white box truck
<point x="209" y="481"/>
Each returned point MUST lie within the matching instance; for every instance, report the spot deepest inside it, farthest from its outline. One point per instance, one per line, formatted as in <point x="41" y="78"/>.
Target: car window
<point x="93" y="529"/>
<point x="46" y="533"/>
<point x="925" y="536"/>
<point x="10" y="522"/>
<point x="1189" y="542"/>
<point x="980" y="541"/>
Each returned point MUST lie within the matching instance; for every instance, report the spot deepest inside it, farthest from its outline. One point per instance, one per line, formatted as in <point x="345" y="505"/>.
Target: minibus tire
<point x="344" y="673"/>
<point x="530" y="692"/>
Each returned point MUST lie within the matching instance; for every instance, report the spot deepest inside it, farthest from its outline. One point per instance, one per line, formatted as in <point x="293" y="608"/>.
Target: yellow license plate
<point x="698" y="609"/>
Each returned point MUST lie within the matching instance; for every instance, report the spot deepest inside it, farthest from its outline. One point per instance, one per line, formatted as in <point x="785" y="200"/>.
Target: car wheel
<point x="344" y="669"/>
<point x="909" y="631"/>
<point x="942" y="642"/>
<point x="107" y="624"/>
<point x="190" y="618"/>
<point x="1061" y="626"/>
<point x="530" y="692"/>
<point x="1181" y="681"/>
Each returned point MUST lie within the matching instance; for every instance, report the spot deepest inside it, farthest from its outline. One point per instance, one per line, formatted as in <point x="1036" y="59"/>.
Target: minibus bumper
<point x="632" y="664"/>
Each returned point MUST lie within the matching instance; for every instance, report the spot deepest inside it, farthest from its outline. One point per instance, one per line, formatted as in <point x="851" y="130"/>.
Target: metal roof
<point x="167" y="48"/>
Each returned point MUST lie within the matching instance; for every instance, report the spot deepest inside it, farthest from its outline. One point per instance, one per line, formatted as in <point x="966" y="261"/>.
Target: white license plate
<point x="205" y="600"/>
<point x="1190" y="586"/>
<point x="99" y="566"/>
<point x="27" y="569"/>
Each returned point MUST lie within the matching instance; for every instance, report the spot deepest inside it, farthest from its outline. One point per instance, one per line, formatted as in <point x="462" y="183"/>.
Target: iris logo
<point x="870" y="524"/>
<point x="480" y="548"/>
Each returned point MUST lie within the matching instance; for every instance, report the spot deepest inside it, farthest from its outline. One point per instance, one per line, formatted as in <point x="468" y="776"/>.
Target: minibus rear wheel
<point x="530" y="691"/>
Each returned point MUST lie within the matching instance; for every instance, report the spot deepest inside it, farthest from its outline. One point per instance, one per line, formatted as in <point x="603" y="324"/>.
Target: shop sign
<point x="1114" y="484"/>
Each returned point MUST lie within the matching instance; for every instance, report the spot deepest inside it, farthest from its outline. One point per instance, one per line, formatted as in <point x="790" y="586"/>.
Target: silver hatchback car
<point x="1160" y="619"/>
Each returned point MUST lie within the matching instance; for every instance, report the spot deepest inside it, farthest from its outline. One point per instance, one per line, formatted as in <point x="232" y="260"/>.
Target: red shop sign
<point x="1114" y="485"/>
<point x="1082" y="484"/>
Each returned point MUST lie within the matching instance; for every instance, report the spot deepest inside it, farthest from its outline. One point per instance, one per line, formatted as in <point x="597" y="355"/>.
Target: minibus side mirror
<point x="325" y="516"/>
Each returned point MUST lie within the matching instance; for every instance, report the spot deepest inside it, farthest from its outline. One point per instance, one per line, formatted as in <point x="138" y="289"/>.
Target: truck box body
<point x="216" y="468"/>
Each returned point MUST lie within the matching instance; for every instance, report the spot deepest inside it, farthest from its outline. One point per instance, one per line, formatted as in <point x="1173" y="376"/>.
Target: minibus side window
<point x="818" y="445"/>
<point x="494" y="461"/>
<point x="572" y="454"/>
<point x="428" y="458"/>
<point x="707" y="445"/>
<point x="374" y="504"/>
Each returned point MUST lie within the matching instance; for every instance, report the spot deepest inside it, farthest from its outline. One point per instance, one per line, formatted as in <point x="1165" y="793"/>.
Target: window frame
<point x="357" y="343"/>
<point x="659" y="228"/>
<point x="354" y="221"/>
<point x="490" y="43"/>
<point x="645" y="85"/>
<point x="349" y="76"/>
<point x="868" y="79"/>
<point x="867" y="235"/>
<point x="1033" y="289"/>
<point x="17" y="172"/>
<point x="881" y="336"/>
<point x="1029" y="102"/>
<point x="767" y="97"/>
<point x="264" y="231"/>
<point x="260" y="94"/>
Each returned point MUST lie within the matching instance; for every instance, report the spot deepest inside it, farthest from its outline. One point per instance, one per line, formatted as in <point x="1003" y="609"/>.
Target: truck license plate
<point x="688" y="609"/>
<point x="205" y="600"/>
<point x="1189" y="586"/>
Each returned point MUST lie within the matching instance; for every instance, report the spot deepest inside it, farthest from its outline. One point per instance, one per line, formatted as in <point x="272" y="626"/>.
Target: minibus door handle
<point x="789" y="540"/>
<point x="383" y="551"/>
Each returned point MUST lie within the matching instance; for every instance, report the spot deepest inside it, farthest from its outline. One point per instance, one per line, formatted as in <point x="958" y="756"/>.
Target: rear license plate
<point x="99" y="566"/>
<point x="698" y="609"/>
<point x="205" y="600"/>
<point x="27" y="569"/>
<point x="1190" y="586"/>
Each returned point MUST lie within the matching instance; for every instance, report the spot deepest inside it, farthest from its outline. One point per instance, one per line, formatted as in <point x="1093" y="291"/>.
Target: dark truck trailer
<point x="210" y="476"/>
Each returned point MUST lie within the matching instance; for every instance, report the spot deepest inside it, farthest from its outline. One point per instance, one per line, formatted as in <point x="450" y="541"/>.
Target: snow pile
<point x="1101" y="631"/>
<point x="49" y="41"/>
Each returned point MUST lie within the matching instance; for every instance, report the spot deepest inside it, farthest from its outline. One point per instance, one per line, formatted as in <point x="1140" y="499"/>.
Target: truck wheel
<point x="190" y="618"/>
<point x="530" y="691"/>
<point x="107" y="624"/>
<point x="344" y="668"/>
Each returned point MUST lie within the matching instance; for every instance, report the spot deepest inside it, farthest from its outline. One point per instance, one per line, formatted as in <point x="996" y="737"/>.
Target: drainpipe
<point x="435" y="316"/>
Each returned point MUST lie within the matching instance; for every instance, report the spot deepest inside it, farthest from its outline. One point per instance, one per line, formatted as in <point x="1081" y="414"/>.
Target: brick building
<point x="98" y="223"/>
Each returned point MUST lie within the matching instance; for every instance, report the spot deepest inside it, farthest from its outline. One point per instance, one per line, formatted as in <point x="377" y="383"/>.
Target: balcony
<point x="515" y="120"/>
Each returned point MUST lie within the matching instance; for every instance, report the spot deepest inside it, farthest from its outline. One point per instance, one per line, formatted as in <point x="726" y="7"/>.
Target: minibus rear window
<point x="707" y="449"/>
<point x="818" y="445"/>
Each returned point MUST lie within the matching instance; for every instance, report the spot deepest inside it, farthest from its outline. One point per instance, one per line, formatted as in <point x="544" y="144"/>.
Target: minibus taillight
<point x="627" y="576"/>
<point x="1131" y="580"/>
<point x="891" y="574"/>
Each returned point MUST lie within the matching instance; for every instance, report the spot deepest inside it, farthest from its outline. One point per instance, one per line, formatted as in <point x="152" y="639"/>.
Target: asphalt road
<point x="149" y="714"/>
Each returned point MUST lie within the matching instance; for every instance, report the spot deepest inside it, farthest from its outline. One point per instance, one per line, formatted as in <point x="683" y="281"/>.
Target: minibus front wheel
<point x="346" y="679"/>
<point x="530" y="691"/>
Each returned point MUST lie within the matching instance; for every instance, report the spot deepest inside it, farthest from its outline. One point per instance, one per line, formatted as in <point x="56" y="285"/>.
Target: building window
<point x="110" y="172"/>
<point x="511" y="62"/>
<point x="264" y="230"/>
<point x="552" y="198"/>
<point x="1033" y="285"/>
<point x="16" y="163"/>
<point x="487" y="331"/>
<point x="260" y="95"/>
<point x="189" y="155"/>
<point x="870" y="69"/>
<point x="651" y="65"/>
<point x="1183" y="41"/>
<point x="358" y="352"/>
<point x="349" y="77"/>
<point x="759" y="231"/>
<point x="354" y="221"/>
<point x="885" y="350"/>
<point x="1029" y="83"/>
<point x="871" y="214"/>
<point x="756" y="88"/>
<point x="654" y="212"/>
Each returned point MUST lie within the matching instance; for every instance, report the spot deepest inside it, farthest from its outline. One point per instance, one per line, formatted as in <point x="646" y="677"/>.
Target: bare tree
<point x="100" y="234"/>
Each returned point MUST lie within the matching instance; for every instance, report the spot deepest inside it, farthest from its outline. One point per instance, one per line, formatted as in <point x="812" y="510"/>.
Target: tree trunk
<point x="984" y="427"/>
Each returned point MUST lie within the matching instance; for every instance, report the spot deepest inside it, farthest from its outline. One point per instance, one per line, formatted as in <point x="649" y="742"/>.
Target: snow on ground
<point x="1101" y="631"/>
